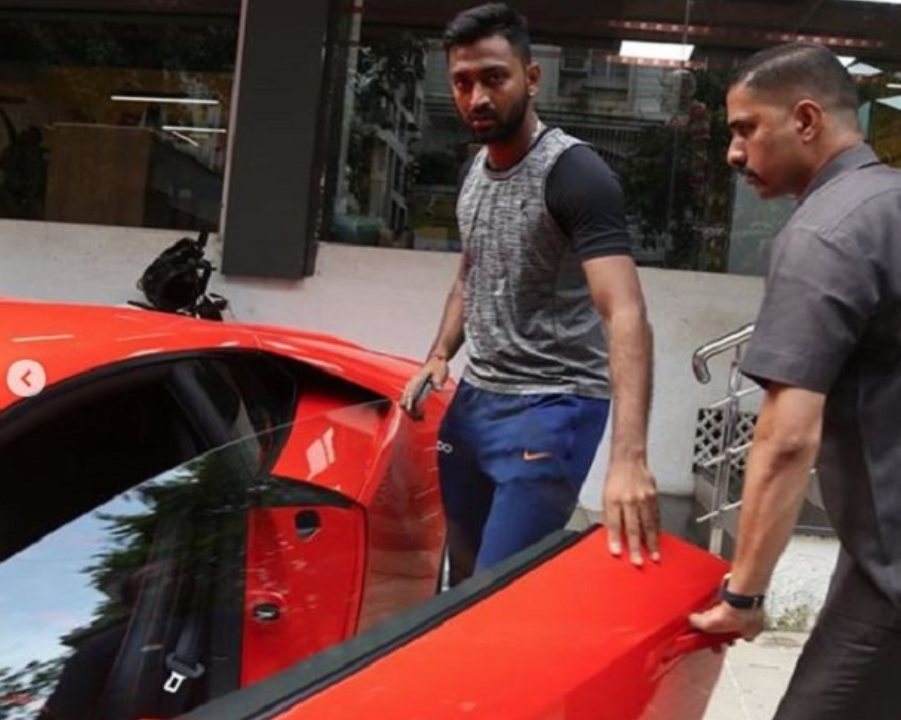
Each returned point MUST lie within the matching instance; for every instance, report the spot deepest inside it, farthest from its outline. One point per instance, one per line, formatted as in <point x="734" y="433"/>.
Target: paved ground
<point x="754" y="677"/>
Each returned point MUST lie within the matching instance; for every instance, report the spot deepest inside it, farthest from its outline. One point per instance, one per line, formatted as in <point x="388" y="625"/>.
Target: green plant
<point x="388" y="71"/>
<point x="677" y="184"/>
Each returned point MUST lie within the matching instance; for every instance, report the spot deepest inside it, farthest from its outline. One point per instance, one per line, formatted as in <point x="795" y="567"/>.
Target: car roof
<point x="68" y="340"/>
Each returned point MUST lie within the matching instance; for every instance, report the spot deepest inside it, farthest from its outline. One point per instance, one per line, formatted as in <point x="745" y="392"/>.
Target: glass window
<point x="660" y="123"/>
<point x="146" y="593"/>
<point x="115" y="431"/>
<point x="135" y="607"/>
<point x="175" y="534"/>
<point x="115" y="119"/>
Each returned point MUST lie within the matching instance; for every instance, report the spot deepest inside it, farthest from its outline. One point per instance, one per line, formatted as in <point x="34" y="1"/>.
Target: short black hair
<point x="486" y="20"/>
<point x="800" y="69"/>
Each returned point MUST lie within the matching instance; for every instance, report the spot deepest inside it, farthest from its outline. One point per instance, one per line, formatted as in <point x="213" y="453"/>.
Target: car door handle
<point x="694" y="640"/>
<point x="307" y="523"/>
<point x="668" y="654"/>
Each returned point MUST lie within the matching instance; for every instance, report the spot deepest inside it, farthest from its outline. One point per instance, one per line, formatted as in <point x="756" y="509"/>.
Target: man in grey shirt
<point x="545" y="257"/>
<point x="827" y="349"/>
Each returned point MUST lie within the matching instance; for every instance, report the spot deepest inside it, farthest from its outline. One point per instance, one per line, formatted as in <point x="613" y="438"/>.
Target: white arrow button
<point x="26" y="378"/>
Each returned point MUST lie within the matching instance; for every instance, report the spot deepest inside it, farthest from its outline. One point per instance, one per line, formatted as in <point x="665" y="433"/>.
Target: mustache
<point x="747" y="173"/>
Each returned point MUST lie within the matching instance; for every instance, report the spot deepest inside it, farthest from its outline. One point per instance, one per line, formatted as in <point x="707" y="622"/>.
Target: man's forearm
<point x="450" y="331"/>
<point x="775" y="484"/>
<point x="786" y="442"/>
<point x="631" y="368"/>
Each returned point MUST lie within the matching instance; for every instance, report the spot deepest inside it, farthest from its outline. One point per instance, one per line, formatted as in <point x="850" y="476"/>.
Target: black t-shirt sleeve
<point x="585" y="199"/>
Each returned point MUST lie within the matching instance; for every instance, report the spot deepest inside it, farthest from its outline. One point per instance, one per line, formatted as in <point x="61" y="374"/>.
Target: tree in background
<point x="676" y="181"/>
<point x="388" y="72"/>
<point x="186" y="535"/>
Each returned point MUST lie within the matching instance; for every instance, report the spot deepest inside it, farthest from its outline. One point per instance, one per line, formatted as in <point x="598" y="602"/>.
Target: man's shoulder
<point x="580" y="170"/>
<point x="474" y="164"/>
<point x="581" y="158"/>
<point x="560" y="135"/>
<point x="879" y="178"/>
<point x="464" y="171"/>
<point x="854" y="200"/>
<point x="862" y="182"/>
<point x="557" y="142"/>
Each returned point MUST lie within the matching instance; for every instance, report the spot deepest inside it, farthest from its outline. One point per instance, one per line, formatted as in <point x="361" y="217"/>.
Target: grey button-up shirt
<point x="831" y="323"/>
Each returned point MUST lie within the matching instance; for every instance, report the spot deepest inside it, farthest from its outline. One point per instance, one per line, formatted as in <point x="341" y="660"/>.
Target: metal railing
<point x="735" y="339"/>
<point x="723" y="461"/>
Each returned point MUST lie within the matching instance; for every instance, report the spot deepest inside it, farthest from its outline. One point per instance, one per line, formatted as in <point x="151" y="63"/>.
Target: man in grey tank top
<point x="546" y="258"/>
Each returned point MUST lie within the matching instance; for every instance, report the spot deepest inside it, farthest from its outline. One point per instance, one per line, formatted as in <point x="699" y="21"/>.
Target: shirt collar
<point x="853" y="158"/>
<point x="542" y="131"/>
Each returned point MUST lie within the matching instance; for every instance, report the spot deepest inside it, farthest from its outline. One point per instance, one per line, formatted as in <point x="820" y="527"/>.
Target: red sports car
<point x="236" y="521"/>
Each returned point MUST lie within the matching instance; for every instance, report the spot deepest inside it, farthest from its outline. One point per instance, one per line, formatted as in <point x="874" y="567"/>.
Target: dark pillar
<point x="275" y="158"/>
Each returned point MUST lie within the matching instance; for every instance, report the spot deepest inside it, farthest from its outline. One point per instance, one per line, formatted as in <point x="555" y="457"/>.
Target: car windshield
<point x="217" y="572"/>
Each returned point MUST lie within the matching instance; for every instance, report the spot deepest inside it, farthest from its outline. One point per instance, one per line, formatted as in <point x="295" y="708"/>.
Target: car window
<point x="87" y="440"/>
<point x="181" y="588"/>
<point x="167" y="538"/>
<point x="252" y="393"/>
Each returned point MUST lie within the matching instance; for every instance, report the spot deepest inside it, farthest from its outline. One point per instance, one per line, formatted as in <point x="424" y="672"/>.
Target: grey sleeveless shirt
<point x="529" y="321"/>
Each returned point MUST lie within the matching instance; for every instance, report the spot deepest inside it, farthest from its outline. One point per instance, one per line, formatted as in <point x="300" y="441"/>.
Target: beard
<point x="504" y="127"/>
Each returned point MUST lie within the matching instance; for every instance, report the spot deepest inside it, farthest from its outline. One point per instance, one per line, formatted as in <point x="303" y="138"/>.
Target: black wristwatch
<point x="739" y="602"/>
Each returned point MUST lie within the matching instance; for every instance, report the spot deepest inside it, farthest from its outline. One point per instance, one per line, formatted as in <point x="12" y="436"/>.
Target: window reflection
<point x="659" y="122"/>
<point x="114" y="119"/>
<point x="220" y="572"/>
<point x="173" y="592"/>
<point x="101" y="611"/>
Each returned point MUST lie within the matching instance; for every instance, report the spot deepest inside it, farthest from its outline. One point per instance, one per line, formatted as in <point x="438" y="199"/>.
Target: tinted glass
<point x="655" y="112"/>
<point x="114" y="119"/>
<point x="83" y="443"/>
<point x="203" y="579"/>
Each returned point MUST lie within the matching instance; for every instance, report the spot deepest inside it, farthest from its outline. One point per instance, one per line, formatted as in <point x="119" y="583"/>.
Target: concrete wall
<point x="390" y="300"/>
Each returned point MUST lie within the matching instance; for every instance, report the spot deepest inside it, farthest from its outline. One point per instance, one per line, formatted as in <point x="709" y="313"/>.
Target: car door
<point x="561" y="630"/>
<point x="174" y="534"/>
<point x="149" y="521"/>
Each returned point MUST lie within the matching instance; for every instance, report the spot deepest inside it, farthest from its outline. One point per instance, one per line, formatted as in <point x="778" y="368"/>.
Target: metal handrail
<point x="730" y="404"/>
<point x="753" y="390"/>
<point x="730" y="453"/>
<point x="715" y="347"/>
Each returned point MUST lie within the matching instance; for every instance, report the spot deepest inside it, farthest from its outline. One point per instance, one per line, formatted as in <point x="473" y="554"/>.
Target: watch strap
<point x="739" y="601"/>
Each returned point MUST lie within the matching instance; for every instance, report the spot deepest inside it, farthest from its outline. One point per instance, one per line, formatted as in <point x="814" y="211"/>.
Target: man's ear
<point x="808" y="117"/>
<point x="533" y="78"/>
